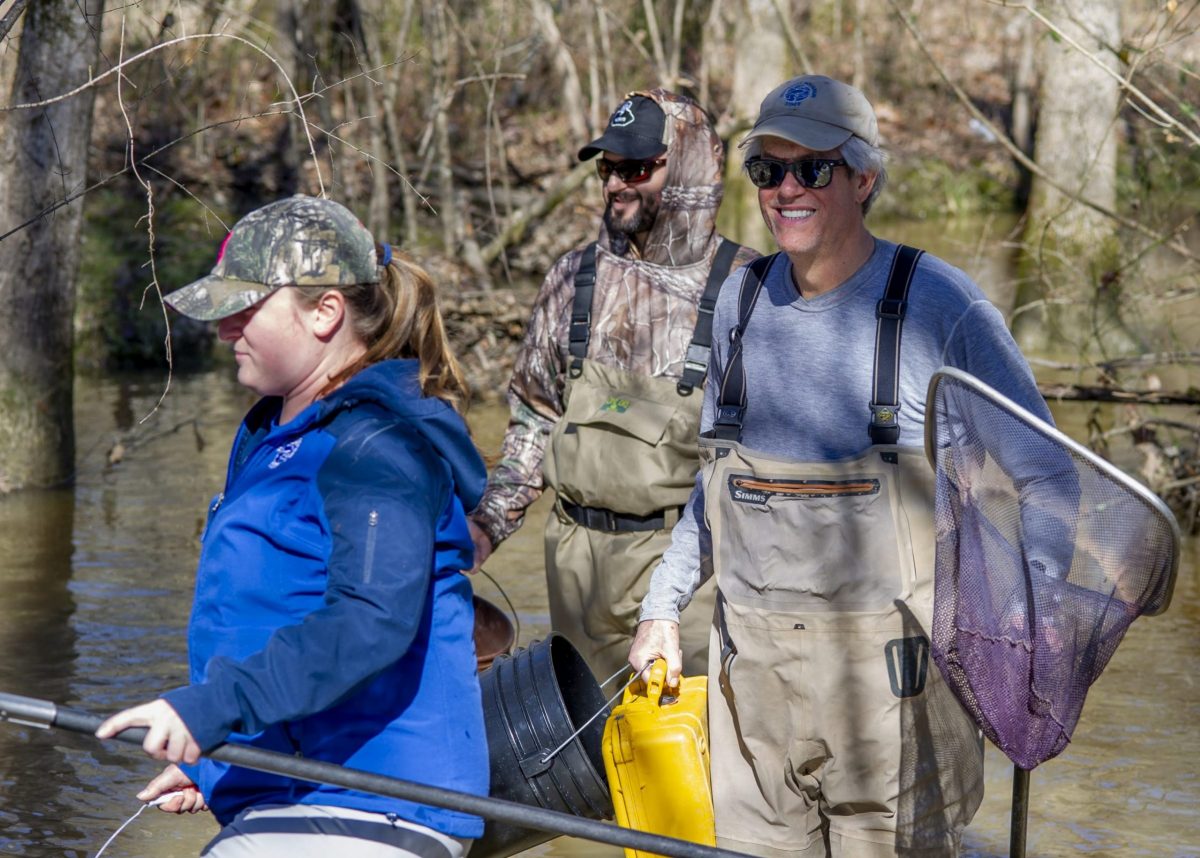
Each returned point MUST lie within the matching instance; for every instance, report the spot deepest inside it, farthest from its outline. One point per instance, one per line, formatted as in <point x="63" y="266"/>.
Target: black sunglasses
<point x="631" y="172"/>
<point x="809" y="172"/>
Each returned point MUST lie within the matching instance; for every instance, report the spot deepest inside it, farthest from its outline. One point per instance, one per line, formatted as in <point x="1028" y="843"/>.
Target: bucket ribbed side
<point x="533" y="700"/>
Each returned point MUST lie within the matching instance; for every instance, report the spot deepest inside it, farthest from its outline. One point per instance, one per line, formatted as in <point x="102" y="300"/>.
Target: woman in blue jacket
<point x="330" y="619"/>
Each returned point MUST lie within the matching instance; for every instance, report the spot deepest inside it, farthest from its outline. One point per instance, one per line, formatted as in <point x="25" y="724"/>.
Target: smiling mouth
<point x="791" y="214"/>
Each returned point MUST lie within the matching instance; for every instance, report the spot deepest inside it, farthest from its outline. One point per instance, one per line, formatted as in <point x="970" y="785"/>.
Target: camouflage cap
<point x="300" y="241"/>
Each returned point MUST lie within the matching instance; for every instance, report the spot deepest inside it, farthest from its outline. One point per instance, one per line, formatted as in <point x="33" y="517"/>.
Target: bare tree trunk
<point x="1024" y="81"/>
<point x="442" y="95"/>
<point x="43" y="157"/>
<point x="396" y="146"/>
<point x="761" y="62"/>
<point x="289" y="144"/>
<point x="564" y="64"/>
<point x="676" y="43"/>
<point x="656" y="44"/>
<point x="1076" y="139"/>
<point x="594" y="108"/>
<point x="610" y="78"/>
<point x="715" y="40"/>
<point x="1070" y="253"/>
<point x="783" y="13"/>
<point x="380" y="204"/>
<point x="859" y="75"/>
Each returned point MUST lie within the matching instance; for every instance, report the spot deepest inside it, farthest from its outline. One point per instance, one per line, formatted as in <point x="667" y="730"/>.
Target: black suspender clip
<point x="891" y="308"/>
<point x="884" y="428"/>
<point x="695" y="362"/>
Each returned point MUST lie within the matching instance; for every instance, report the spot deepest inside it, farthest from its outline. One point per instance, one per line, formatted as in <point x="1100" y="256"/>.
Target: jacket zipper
<point x="369" y="552"/>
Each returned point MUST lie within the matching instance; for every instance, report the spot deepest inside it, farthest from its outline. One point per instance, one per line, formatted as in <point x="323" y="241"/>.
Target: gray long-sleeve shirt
<point x="809" y="367"/>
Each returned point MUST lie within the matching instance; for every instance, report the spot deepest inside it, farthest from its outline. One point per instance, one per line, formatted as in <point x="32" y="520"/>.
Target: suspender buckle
<point x="883" y="415"/>
<point x="581" y="326"/>
<point x="891" y="308"/>
<point x="697" y="358"/>
<point x="884" y="428"/>
<point x="729" y="415"/>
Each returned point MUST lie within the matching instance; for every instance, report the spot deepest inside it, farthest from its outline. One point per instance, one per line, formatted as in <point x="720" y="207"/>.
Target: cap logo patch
<point x="793" y="95"/>
<point x="623" y="116"/>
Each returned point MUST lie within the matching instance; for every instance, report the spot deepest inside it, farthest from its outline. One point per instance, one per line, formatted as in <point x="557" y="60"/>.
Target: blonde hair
<point x="399" y="318"/>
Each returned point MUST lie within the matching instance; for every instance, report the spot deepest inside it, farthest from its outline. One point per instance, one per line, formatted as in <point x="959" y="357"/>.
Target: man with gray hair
<point x="830" y="735"/>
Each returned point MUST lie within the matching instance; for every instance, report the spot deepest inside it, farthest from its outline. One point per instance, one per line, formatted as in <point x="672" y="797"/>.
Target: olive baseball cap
<point x="299" y="241"/>
<point x="815" y="112"/>
<point x="636" y="130"/>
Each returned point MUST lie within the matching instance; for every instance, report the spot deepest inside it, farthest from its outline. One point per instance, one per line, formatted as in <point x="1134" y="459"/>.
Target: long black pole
<point x="1020" y="813"/>
<point x="43" y="713"/>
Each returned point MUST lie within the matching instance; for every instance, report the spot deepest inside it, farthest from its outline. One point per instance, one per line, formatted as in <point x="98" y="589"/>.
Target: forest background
<point x="133" y="135"/>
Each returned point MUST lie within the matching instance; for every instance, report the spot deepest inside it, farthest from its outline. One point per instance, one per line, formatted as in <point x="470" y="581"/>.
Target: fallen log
<point x="1100" y="393"/>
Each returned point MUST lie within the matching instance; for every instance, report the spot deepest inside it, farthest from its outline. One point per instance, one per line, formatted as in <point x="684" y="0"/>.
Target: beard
<point x="621" y="230"/>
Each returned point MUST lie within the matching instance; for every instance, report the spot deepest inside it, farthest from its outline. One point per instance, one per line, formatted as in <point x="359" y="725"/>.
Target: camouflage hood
<point x="299" y="241"/>
<point x="687" y="219"/>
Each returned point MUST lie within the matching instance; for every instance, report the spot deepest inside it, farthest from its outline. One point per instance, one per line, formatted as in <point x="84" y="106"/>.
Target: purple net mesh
<point x="1045" y="554"/>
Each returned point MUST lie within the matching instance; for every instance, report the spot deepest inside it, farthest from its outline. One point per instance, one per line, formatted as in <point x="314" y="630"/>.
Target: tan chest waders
<point x="831" y="733"/>
<point x="622" y="461"/>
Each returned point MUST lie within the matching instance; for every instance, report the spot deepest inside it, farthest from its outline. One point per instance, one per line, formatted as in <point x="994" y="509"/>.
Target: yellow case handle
<point x="658" y="678"/>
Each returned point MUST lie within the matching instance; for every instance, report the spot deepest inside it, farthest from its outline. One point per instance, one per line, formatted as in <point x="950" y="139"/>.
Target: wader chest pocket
<point x="744" y="488"/>
<point x="810" y="541"/>
<point x="643" y="419"/>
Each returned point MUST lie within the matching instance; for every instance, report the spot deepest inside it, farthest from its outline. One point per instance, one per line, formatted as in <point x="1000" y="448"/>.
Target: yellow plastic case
<point x="656" y="759"/>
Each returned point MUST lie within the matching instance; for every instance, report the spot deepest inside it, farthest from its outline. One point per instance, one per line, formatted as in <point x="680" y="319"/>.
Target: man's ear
<point x="329" y="313"/>
<point x="863" y="185"/>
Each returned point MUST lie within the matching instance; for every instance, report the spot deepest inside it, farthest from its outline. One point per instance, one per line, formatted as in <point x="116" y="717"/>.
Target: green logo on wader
<point x="616" y="403"/>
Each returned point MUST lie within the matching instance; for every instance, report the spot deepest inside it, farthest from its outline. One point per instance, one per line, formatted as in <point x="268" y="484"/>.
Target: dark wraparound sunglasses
<point x="632" y="172"/>
<point x="809" y="172"/>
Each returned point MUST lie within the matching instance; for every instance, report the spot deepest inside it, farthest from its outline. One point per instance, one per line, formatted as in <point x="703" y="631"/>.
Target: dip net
<point x="1045" y="554"/>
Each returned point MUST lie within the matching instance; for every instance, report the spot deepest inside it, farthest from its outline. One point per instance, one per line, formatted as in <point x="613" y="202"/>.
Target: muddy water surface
<point x="97" y="586"/>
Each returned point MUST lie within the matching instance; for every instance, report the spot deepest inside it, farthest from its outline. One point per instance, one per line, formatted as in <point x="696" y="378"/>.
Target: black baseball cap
<point x="636" y="130"/>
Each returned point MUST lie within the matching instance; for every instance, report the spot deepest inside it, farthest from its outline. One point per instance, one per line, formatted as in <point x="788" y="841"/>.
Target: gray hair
<point x="860" y="157"/>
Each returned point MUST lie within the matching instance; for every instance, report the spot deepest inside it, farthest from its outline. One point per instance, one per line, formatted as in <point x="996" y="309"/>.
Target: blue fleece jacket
<point x="330" y="619"/>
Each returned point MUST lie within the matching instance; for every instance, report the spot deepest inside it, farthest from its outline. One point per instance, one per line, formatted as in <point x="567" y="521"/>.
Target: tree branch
<point x="11" y="16"/>
<point x="1094" y="393"/>
<point x="1027" y="162"/>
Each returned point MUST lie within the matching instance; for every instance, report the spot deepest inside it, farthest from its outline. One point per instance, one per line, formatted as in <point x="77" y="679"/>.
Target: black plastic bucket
<point x="532" y="701"/>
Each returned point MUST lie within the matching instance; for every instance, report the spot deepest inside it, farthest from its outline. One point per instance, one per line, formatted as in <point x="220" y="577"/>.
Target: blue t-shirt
<point x="809" y="367"/>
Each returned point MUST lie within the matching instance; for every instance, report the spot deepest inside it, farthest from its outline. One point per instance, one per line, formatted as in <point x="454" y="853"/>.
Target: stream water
<point x="97" y="586"/>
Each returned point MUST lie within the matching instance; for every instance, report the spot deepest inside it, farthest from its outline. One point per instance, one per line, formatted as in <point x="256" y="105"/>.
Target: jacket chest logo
<point x="285" y="452"/>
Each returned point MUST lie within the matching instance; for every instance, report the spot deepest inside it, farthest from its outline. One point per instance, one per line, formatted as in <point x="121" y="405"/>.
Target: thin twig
<point x="1122" y="82"/>
<point x="11" y="16"/>
<point x="169" y="43"/>
<point x="149" y="233"/>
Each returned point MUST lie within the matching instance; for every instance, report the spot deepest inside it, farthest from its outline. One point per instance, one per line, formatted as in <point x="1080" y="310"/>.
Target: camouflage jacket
<point x="643" y="311"/>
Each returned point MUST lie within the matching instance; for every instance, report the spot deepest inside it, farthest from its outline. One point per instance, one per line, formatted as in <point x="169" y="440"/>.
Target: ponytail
<point x="399" y="318"/>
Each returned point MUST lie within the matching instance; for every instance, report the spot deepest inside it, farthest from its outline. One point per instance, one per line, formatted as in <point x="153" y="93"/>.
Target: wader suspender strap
<point x="695" y="364"/>
<point x="885" y="391"/>
<point x="581" y="311"/>
<point x="731" y="402"/>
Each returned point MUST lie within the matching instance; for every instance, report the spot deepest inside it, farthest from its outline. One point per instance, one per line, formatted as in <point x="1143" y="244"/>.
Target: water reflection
<point x="37" y="658"/>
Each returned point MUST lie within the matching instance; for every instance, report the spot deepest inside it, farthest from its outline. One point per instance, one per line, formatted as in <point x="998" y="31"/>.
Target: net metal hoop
<point x="1050" y="433"/>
